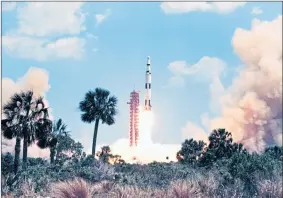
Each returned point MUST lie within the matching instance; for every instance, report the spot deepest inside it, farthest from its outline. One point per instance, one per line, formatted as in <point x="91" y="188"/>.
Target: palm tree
<point x="56" y="136"/>
<point x="98" y="105"/>
<point x="25" y="117"/>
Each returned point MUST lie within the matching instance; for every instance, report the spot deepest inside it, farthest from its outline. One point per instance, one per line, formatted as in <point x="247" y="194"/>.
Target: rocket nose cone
<point x="148" y="60"/>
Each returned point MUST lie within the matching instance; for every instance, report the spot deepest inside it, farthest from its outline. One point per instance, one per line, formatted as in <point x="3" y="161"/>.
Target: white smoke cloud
<point x="252" y="106"/>
<point x="147" y="151"/>
<point x="35" y="79"/>
<point x="144" y="153"/>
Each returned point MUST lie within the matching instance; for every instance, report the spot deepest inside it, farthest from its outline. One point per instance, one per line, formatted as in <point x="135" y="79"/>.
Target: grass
<point x="190" y="188"/>
<point x="239" y="176"/>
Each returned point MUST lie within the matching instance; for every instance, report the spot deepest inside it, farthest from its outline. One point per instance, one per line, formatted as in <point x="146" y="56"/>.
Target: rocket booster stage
<point x="147" y="100"/>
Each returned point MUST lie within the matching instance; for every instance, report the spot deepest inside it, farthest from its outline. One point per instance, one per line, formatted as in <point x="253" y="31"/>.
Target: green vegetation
<point x="57" y="140"/>
<point x="98" y="106"/>
<point x="220" y="168"/>
<point x="25" y="117"/>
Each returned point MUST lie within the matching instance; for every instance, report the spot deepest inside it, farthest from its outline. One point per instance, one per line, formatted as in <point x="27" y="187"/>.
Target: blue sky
<point x="106" y="45"/>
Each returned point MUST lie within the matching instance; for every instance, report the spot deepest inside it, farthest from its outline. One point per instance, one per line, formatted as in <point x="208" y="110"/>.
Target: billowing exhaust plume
<point x="252" y="106"/>
<point x="147" y="151"/>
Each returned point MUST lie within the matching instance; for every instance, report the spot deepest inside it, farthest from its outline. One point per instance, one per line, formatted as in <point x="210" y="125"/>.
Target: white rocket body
<point x="147" y="101"/>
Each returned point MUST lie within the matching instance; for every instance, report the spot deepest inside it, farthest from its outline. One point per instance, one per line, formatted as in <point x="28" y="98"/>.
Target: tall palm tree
<point x="98" y="105"/>
<point x="56" y="136"/>
<point x="25" y="117"/>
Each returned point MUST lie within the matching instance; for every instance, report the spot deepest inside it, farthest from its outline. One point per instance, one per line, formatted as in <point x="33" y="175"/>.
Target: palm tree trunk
<point x="17" y="154"/>
<point x="25" y="145"/>
<point x="52" y="154"/>
<point x="25" y="152"/>
<point x="95" y="136"/>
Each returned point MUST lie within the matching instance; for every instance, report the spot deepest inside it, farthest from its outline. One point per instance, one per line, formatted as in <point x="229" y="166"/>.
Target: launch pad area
<point x="135" y="108"/>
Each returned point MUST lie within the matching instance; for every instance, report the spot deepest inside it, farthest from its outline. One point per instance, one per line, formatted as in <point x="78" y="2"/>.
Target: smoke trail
<point x="145" y="127"/>
<point x="252" y="107"/>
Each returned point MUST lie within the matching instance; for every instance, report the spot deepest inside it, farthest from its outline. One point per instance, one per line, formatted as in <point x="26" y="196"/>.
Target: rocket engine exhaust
<point x="147" y="100"/>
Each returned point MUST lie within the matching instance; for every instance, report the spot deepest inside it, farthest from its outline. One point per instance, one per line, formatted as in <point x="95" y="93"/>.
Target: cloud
<point x="101" y="17"/>
<point x="36" y="79"/>
<point x="256" y="11"/>
<point x="43" y="49"/>
<point x="252" y="105"/>
<point x="206" y="67"/>
<point x="46" y="30"/>
<point x="8" y="6"/>
<point x="51" y="18"/>
<point x="193" y="131"/>
<point x="186" y="7"/>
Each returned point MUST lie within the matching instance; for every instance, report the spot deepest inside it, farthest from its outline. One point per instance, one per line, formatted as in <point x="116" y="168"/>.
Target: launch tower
<point x="134" y="118"/>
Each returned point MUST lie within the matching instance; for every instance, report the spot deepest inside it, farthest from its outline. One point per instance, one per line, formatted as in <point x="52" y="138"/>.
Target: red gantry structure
<point x="134" y="118"/>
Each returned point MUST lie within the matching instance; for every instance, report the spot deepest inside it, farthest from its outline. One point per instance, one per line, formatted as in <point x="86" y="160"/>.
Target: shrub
<point x="7" y="163"/>
<point x="76" y="188"/>
<point x="268" y="188"/>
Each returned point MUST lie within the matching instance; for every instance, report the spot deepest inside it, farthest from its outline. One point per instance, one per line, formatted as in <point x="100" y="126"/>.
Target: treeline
<point x="233" y="160"/>
<point x="228" y="165"/>
<point x="234" y="170"/>
<point x="26" y="118"/>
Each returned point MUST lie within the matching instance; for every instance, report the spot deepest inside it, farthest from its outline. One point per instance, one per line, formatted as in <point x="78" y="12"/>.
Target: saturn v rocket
<point x="147" y="100"/>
